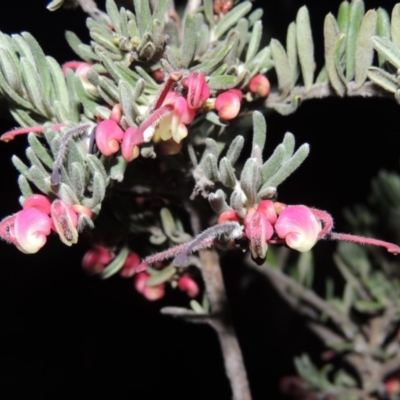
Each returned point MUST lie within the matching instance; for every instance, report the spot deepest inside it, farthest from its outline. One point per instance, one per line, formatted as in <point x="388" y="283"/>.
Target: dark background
<point x="67" y="336"/>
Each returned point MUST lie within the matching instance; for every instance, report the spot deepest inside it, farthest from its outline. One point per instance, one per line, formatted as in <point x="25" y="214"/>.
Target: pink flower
<point x="188" y="285"/>
<point x="96" y="259"/>
<point x="151" y="293"/>
<point x="299" y="227"/>
<point x="198" y="90"/>
<point x="258" y="230"/>
<point x="174" y="125"/>
<point x="27" y="230"/>
<point x="130" y="266"/>
<point x="228" y="104"/>
<point x="229" y="215"/>
<point x="108" y="137"/>
<point x="260" y="84"/>
<point x="65" y="222"/>
<point x="38" y="201"/>
<point x="132" y="138"/>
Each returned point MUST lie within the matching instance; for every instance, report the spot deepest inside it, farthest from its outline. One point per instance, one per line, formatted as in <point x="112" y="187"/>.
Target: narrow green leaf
<point x="34" y="88"/>
<point x="221" y="82"/>
<point x="77" y="177"/>
<point x="231" y="18"/>
<point x="255" y="16"/>
<point x="343" y="17"/>
<point x="259" y="130"/>
<point x="209" y="65"/>
<point x="382" y="29"/>
<point x="54" y="5"/>
<point x="227" y="172"/>
<point x="235" y="149"/>
<point x="282" y="68"/>
<point x="58" y="82"/>
<point x="113" y="13"/>
<point x="356" y="14"/>
<point x="189" y="41"/>
<point x="24" y="187"/>
<point x="40" y="62"/>
<point x="127" y="102"/>
<point x="14" y="96"/>
<point x="143" y="15"/>
<point x="236" y="201"/>
<point x="364" y="48"/>
<point x="271" y="166"/>
<point x="305" y="46"/>
<point x="255" y="40"/>
<point x="387" y="49"/>
<point x="10" y="71"/>
<point x="291" y="48"/>
<point x="41" y="181"/>
<point x="211" y="168"/>
<point x="110" y="88"/>
<point x="98" y="192"/>
<point x="339" y="51"/>
<point x="116" y="264"/>
<point x="161" y="276"/>
<point x="103" y="41"/>
<point x="87" y="103"/>
<point x="161" y="9"/>
<point x="21" y="116"/>
<point x="41" y="152"/>
<point x="209" y="11"/>
<point x="383" y="79"/>
<point x="395" y="25"/>
<point x="242" y="28"/>
<point x="288" y="108"/>
<point x="250" y="180"/>
<point x="217" y="202"/>
<point x="75" y="43"/>
<point x="331" y="34"/>
<point x="288" y="142"/>
<point x="289" y="167"/>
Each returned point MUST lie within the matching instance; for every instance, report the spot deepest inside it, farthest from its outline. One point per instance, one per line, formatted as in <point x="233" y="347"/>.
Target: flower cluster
<point x="28" y="229"/>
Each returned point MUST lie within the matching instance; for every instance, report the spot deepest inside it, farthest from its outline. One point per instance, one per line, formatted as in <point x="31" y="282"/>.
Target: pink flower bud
<point x="30" y="230"/>
<point x="260" y="84"/>
<point x="229" y="215"/>
<point x="130" y="266"/>
<point x="95" y="260"/>
<point x="132" y="138"/>
<point x="258" y="230"/>
<point x="268" y="208"/>
<point x="392" y="386"/>
<point x="299" y="227"/>
<point x="65" y="221"/>
<point x="198" y="90"/>
<point x="108" y="137"/>
<point x="38" y="201"/>
<point x="80" y="209"/>
<point x="116" y="113"/>
<point x="228" y="104"/>
<point x="151" y="293"/>
<point x="188" y="285"/>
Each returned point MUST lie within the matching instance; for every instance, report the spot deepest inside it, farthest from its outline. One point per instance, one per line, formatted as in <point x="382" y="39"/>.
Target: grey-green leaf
<point x="356" y="14"/>
<point x="235" y="149"/>
<point x="231" y="18"/>
<point x="331" y="33"/>
<point x="259" y="130"/>
<point x="384" y="79"/>
<point x="305" y="46"/>
<point x="382" y="29"/>
<point x="395" y="25"/>
<point x="364" y="48"/>
<point x="282" y="68"/>
<point x="387" y="49"/>
<point x="189" y="41"/>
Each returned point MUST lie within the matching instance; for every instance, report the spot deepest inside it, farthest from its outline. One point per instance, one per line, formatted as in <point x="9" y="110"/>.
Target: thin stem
<point x="234" y="365"/>
<point x="283" y="283"/>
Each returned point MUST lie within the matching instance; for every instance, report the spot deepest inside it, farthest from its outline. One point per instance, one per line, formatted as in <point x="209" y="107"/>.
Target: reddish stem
<point x="390" y="247"/>
<point x="10" y="135"/>
<point x="172" y="79"/>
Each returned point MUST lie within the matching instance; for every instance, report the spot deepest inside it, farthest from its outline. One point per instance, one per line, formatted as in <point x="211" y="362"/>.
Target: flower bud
<point x="38" y="201"/>
<point x="65" y="222"/>
<point x="187" y="284"/>
<point x="96" y="259"/>
<point x="260" y="84"/>
<point x="228" y="104"/>
<point x="130" y="265"/>
<point x="198" y="90"/>
<point x="151" y="293"/>
<point x="108" y="137"/>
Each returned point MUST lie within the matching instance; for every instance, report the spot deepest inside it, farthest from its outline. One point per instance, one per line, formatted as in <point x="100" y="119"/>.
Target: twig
<point x="234" y="365"/>
<point x="283" y="282"/>
<point x="188" y="315"/>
